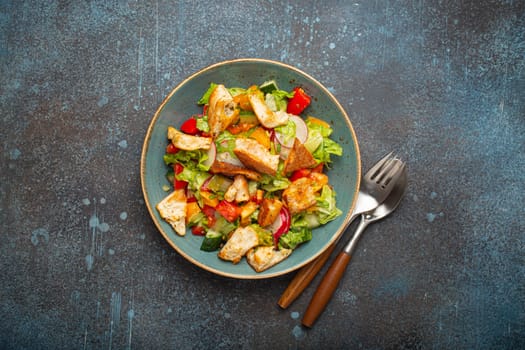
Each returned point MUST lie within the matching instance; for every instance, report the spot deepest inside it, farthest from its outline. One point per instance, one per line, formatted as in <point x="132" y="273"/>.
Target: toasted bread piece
<point x="266" y="116"/>
<point x="188" y="142"/>
<point x="255" y="156"/>
<point x="238" y="191"/>
<point x="173" y="210"/>
<point x="241" y="240"/>
<point x="301" y="194"/>
<point x="263" y="257"/>
<point x="222" y="111"/>
<point x="269" y="211"/>
<point x="229" y="169"/>
<point x="246" y="211"/>
<point x="298" y="158"/>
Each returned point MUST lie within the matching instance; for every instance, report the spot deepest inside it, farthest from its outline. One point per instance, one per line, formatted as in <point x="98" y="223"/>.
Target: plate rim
<point x="150" y="207"/>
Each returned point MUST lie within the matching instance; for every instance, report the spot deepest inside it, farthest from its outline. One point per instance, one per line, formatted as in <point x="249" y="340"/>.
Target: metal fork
<point x="376" y="185"/>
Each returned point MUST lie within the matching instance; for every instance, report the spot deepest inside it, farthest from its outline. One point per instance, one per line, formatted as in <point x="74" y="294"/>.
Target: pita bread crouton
<point x="238" y="191"/>
<point x="231" y="170"/>
<point x="263" y="257"/>
<point x="173" y="210"/>
<point x="222" y="111"/>
<point x="301" y="194"/>
<point x="188" y="142"/>
<point x="266" y="116"/>
<point x="255" y="156"/>
<point x="298" y="158"/>
<point x="269" y="211"/>
<point x="241" y="240"/>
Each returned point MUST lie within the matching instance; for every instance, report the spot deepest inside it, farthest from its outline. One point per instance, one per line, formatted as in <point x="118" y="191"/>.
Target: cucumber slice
<point x="219" y="183"/>
<point x="212" y="241"/>
<point x="268" y="86"/>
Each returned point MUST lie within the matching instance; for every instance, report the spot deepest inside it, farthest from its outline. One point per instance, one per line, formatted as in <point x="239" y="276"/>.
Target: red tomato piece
<point x="178" y="168"/>
<point x="198" y="230"/>
<point x="298" y="102"/>
<point x="296" y="175"/>
<point x="210" y="214"/>
<point x="178" y="184"/>
<point x="171" y="149"/>
<point x="190" y="127"/>
<point x="230" y="211"/>
<point x="318" y="168"/>
<point x="190" y="196"/>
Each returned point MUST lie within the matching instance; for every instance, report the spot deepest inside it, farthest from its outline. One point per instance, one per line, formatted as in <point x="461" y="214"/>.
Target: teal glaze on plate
<point x="181" y="103"/>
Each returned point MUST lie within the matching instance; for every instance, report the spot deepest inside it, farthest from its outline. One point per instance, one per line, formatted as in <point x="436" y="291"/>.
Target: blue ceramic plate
<point x="181" y="103"/>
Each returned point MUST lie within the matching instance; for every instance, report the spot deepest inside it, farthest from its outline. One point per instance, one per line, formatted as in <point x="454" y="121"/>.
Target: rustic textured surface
<point x="84" y="267"/>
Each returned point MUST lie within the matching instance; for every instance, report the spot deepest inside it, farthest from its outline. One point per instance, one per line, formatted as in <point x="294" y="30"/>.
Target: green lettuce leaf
<point x="194" y="177"/>
<point x="202" y="124"/>
<point x="236" y="91"/>
<point x="194" y="159"/>
<point x="287" y="131"/>
<point x="277" y="100"/>
<point x="265" y="236"/>
<point x="320" y="144"/>
<point x="206" y="97"/>
<point x="295" y="236"/>
<point x="326" y="205"/>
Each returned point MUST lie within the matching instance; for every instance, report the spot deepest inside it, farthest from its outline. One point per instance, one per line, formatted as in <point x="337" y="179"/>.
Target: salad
<point x="248" y="173"/>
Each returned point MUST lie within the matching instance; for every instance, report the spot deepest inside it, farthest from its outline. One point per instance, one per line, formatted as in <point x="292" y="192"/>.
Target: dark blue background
<point x="82" y="264"/>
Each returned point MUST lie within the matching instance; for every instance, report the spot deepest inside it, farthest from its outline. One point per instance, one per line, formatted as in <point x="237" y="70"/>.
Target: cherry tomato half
<point x="171" y="149"/>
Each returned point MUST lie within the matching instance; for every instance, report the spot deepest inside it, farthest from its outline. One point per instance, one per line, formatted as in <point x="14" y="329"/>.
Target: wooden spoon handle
<point x="326" y="289"/>
<point x="303" y="278"/>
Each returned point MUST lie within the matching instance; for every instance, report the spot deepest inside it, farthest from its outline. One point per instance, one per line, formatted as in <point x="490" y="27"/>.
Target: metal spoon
<point x="328" y="285"/>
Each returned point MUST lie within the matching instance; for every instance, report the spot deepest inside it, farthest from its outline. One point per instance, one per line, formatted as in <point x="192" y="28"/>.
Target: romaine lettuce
<point x="206" y="97"/>
<point x="295" y="236"/>
<point x="194" y="177"/>
<point x="319" y="143"/>
<point x="287" y="132"/>
<point x="326" y="205"/>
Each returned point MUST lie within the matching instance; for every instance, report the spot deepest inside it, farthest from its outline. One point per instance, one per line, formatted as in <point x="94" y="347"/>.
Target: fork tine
<point x="390" y="177"/>
<point x="374" y="171"/>
<point x="386" y="169"/>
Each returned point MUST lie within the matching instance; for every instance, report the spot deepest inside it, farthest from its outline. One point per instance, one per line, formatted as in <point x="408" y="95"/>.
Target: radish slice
<point x="212" y="153"/>
<point x="301" y="132"/>
<point x="281" y="225"/>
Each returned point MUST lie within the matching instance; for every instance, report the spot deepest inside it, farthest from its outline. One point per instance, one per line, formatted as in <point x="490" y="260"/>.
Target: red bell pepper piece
<point x="190" y="127"/>
<point x="230" y="211"/>
<point x="298" y="102"/>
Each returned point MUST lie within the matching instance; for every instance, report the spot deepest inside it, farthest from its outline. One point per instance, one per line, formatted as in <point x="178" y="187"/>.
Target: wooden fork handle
<point x="303" y="278"/>
<point x="326" y="289"/>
